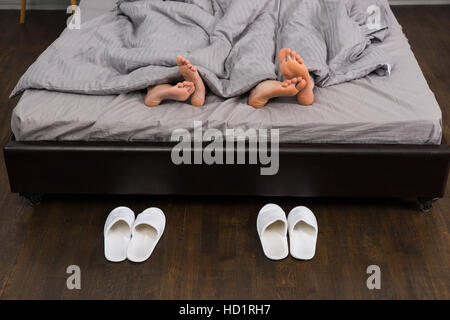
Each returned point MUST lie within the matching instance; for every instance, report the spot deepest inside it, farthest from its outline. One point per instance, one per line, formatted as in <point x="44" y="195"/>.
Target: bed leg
<point x="23" y="10"/>
<point x="33" y="198"/>
<point x="426" y="204"/>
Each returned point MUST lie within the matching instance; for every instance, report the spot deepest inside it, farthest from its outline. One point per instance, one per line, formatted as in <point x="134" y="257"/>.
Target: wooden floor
<point x="210" y="249"/>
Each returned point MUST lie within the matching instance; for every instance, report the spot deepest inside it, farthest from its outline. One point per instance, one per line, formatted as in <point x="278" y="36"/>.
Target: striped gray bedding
<point x="233" y="43"/>
<point x="400" y="109"/>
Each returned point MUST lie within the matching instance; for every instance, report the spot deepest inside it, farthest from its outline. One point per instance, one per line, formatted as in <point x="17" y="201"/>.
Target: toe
<point x="282" y="55"/>
<point x="301" y="84"/>
<point x="288" y="54"/>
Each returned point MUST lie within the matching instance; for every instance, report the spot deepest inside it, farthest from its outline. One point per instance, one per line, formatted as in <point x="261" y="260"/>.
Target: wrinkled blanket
<point x="232" y="42"/>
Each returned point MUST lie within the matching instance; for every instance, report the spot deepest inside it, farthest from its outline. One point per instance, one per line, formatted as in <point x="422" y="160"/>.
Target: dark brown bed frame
<point x="305" y="170"/>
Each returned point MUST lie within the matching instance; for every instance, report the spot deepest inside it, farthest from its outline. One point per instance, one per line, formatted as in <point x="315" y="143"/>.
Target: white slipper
<point x="117" y="233"/>
<point x="272" y="229"/>
<point x="302" y="233"/>
<point x="147" y="230"/>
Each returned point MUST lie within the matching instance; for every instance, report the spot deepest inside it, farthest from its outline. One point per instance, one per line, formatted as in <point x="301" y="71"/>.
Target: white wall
<point x="62" y="4"/>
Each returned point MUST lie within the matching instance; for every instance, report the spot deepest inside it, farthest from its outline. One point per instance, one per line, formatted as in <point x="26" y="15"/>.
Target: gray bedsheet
<point x="396" y="109"/>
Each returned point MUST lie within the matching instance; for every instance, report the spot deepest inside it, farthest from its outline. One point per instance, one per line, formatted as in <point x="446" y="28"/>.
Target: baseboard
<point x="42" y="6"/>
<point x="417" y="2"/>
<point x="35" y="4"/>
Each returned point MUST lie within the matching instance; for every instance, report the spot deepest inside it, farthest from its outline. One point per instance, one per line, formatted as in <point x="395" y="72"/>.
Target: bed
<point x="371" y="137"/>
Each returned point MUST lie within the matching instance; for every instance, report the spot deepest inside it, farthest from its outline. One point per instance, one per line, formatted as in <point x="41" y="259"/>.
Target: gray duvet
<point x="233" y="43"/>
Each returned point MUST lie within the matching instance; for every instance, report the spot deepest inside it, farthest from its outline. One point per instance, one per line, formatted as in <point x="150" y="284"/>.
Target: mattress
<point x="400" y="109"/>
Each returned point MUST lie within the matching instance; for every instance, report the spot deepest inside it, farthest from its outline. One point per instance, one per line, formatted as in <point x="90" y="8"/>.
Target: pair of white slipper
<point x="130" y="238"/>
<point x="273" y="227"/>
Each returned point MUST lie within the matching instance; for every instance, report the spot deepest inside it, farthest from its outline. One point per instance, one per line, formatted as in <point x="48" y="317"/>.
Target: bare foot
<point x="190" y="73"/>
<point x="292" y="65"/>
<point x="301" y="84"/>
<point x="269" y="89"/>
<point x="179" y="92"/>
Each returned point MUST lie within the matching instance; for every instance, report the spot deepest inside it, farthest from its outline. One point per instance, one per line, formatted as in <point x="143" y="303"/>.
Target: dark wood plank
<point x="210" y="248"/>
